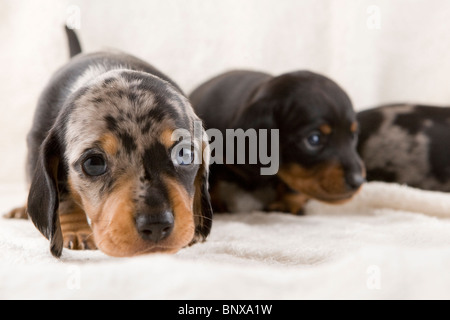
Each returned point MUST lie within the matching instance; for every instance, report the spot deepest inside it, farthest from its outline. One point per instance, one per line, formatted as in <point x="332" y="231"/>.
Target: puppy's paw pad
<point x="17" y="213"/>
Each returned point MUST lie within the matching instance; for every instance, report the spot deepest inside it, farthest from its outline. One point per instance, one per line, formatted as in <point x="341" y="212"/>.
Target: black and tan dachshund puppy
<point x="407" y="144"/>
<point x="317" y="140"/>
<point x="100" y="160"/>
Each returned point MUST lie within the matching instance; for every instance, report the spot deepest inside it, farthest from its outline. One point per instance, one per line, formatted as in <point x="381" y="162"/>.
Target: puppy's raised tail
<point x="74" y="43"/>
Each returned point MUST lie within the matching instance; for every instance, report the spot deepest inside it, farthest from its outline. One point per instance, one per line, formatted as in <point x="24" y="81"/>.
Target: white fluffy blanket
<point x="390" y="242"/>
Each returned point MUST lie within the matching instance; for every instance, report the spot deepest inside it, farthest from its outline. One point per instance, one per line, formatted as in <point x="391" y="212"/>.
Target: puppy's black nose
<point x="355" y="181"/>
<point x="155" y="227"/>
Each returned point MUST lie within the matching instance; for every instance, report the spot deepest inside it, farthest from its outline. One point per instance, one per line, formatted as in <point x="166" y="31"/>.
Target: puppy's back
<point x="407" y="144"/>
<point x="219" y="99"/>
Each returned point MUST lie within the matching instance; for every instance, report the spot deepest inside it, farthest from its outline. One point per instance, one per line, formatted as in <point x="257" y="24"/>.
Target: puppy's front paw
<point x="17" y="213"/>
<point x="290" y="203"/>
<point x="80" y="240"/>
<point x="76" y="232"/>
<point x="281" y="206"/>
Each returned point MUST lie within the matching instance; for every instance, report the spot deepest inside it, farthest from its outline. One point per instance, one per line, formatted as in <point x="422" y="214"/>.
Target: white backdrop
<point x="379" y="50"/>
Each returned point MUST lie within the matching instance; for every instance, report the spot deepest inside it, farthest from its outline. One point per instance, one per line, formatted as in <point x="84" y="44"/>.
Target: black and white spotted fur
<point x="114" y="101"/>
<point x="407" y="144"/>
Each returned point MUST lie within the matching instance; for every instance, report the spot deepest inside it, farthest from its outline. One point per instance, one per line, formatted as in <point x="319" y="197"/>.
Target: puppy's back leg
<point x="17" y="213"/>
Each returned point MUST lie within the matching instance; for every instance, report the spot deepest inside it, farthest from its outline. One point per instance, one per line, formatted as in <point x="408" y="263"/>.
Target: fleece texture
<point x="390" y="242"/>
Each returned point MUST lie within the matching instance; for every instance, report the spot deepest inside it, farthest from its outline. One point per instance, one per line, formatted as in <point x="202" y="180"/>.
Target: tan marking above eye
<point x="326" y="129"/>
<point x="166" y="138"/>
<point x="109" y="143"/>
<point x="354" y="127"/>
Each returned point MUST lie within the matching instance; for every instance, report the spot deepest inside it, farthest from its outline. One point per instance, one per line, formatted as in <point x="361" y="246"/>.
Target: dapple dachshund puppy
<point x="407" y="144"/>
<point x="317" y="139"/>
<point x="101" y="162"/>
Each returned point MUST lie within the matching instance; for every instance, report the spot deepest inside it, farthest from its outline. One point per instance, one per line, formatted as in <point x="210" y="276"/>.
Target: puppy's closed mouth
<point x="336" y="198"/>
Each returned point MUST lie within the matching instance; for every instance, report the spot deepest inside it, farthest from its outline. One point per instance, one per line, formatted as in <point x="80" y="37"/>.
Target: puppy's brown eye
<point x="95" y="166"/>
<point x="315" y="141"/>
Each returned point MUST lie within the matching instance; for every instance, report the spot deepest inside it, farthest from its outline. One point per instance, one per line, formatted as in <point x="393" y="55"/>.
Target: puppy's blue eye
<point x="95" y="166"/>
<point x="185" y="157"/>
<point x="315" y="141"/>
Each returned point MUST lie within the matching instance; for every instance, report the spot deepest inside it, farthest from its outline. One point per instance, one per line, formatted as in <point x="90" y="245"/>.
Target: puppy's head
<point x="318" y="134"/>
<point x="113" y="152"/>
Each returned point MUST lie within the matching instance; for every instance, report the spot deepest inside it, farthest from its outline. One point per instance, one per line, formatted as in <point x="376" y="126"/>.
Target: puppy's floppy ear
<point x="43" y="199"/>
<point x="203" y="212"/>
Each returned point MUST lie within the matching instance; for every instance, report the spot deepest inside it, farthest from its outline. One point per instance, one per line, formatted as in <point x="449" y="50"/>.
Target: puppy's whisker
<point x="90" y="235"/>
<point x="203" y="217"/>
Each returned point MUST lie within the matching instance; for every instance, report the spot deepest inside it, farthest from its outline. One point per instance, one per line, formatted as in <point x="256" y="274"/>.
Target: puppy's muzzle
<point x="155" y="227"/>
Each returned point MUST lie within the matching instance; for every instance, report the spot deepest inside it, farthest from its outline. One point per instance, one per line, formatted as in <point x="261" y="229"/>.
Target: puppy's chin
<point x="333" y="198"/>
<point x="325" y="183"/>
<point x="133" y="252"/>
<point x="131" y="246"/>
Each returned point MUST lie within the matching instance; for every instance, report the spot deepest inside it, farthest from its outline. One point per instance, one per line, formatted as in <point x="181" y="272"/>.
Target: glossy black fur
<point x="295" y="103"/>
